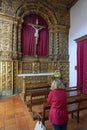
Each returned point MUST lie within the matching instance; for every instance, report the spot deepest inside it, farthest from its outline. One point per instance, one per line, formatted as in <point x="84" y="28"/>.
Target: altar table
<point x="33" y="75"/>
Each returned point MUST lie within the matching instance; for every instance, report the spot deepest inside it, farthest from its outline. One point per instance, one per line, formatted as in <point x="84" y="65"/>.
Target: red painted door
<point x="82" y="65"/>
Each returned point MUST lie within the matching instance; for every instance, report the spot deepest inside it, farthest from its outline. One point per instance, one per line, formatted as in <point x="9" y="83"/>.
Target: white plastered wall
<point x="78" y="28"/>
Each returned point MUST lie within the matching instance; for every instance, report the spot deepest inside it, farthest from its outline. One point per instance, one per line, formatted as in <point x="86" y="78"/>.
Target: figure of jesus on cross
<point x="36" y="35"/>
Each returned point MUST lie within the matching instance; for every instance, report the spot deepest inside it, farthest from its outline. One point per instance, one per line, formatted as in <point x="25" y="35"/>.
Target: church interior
<point x="33" y="45"/>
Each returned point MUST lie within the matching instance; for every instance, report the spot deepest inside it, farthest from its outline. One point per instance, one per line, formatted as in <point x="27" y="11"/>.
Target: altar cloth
<point x="35" y="74"/>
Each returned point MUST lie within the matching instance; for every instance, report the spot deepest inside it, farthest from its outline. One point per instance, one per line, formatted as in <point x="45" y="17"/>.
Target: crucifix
<point x="36" y="35"/>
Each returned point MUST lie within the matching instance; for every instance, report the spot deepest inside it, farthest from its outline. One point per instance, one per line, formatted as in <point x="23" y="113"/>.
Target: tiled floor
<point x="14" y="115"/>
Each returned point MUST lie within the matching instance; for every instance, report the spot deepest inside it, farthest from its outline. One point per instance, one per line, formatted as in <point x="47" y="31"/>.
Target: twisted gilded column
<point x="14" y="41"/>
<point x="56" y="46"/>
<point x="19" y="40"/>
<point x="51" y="44"/>
<point x="5" y="37"/>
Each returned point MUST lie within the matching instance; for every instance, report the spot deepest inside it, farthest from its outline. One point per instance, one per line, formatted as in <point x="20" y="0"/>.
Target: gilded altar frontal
<point x="56" y="14"/>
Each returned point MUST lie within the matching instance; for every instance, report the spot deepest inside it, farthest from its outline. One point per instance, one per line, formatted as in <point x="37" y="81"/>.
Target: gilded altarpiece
<point x="12" y="62"/>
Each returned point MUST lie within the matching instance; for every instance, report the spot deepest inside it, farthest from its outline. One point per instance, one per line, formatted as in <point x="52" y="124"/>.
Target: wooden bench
<point x="74" y="106"/>
<point x="42" y="93"/>
<point x="35" y="90"/>
<point x="81" y="128"/>
<point x="82" y="102"/>
<point x="36" y="95"/>
<point x="73" y="91"/>
<point x="72" y="95"/>
<point x="42" y="114"/>
<point x="74" y="88"/>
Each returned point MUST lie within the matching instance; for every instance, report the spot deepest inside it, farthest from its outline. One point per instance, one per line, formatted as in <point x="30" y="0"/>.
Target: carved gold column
<point x="3" y="75"/>
<point x="6" y="79"/>
<point x="56" y="46"/>
<point x="14" y="41"/>
<point x="19" y="40"/>
<point x="63" y="55"/>
<point x="51" y="44"/>
<point x="0" y="80"/>
<point x="8" y="52"/>
<point x="9" y="78"/>
<point x="5" y="37"/>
